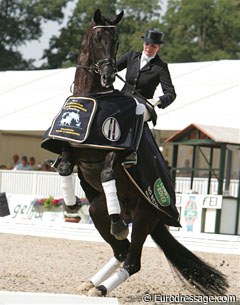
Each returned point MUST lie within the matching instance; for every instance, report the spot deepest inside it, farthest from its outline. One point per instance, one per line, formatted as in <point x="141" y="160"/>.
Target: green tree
<point x="138" y="16"/>
<point x="21" y="21"/>
<point x="202" y="30"/>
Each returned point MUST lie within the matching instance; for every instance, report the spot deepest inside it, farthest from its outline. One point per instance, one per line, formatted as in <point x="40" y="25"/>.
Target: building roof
<point x="206" y="135"/>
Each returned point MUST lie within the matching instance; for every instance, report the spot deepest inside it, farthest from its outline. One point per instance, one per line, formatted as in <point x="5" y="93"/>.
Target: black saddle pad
<point x="104" y="121"/>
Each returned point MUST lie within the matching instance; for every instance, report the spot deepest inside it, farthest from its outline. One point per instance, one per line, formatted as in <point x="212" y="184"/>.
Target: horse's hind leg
<point x="143" y="224"/>
<point x="118" y="227"/>
<point x="98" y="213"/>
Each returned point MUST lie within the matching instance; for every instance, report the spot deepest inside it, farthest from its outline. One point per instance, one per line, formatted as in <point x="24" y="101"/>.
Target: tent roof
<point x="204" y="134"/>
<point x="30" y="100"/>
<point x="207" y="93"/>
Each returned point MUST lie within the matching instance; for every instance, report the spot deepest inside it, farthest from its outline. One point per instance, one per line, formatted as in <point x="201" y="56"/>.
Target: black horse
<point x="95" y="74"/>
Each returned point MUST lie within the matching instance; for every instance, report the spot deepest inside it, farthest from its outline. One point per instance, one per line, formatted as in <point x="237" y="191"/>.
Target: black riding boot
<point x="131" y="159"/>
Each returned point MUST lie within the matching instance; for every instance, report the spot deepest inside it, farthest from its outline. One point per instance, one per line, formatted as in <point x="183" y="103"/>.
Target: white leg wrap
<point x="116" y="279"/>
<point x="110" y="191"/>
<point x="68" y="190"/>
<point x="105" y="272"/>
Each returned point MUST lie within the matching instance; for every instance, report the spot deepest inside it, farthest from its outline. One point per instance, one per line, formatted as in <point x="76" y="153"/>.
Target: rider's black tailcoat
<point x="146" y="80"/>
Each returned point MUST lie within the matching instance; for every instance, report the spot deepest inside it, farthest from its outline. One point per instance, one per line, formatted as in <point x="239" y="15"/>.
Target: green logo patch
<point x="161" y="193"/>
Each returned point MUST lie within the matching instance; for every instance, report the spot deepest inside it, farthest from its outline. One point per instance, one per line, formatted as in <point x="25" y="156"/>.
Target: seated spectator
<point x="15" y="161"/>
<point x="23" y="165"/>
<point x="32" y="163"/>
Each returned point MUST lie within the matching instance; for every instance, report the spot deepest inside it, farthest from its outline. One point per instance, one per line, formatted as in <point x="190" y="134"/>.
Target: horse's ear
<point x="98" y="17"/>
<point x="118" y="18"/>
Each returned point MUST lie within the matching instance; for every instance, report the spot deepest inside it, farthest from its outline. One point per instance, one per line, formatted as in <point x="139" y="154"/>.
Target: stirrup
<point x="119" y="229"/>
<point x="130" y="159"/>
<point x="54" y="163"/>
<point x="73" y="209"/>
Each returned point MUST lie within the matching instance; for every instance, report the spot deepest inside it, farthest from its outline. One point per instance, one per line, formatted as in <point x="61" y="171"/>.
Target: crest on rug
<point x="74" y="120"/>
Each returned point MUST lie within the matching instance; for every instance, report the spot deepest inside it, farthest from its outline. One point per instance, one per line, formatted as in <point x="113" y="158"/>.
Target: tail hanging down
<point x="200" y="275"/>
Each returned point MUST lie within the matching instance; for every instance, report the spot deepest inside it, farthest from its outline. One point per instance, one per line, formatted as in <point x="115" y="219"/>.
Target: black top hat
<point x="153" y="37"/>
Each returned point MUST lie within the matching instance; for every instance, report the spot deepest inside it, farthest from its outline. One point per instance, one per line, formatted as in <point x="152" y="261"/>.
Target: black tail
<point x="205" y="278"/>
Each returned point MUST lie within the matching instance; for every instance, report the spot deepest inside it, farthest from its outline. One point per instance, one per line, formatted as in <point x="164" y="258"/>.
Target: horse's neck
<point x="86" y="81"/>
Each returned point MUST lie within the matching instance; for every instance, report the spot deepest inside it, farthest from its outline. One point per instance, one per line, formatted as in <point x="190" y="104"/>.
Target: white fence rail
<point x="40" y="183"/>
<point x="200" y="186"/>
<point x="36" y="183"/>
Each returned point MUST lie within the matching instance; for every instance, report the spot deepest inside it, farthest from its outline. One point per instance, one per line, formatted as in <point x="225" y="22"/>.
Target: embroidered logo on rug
<point x="111" y="129"/>
<point x="70" y="119"/>
<point x="74" y="120"/>
<point x="161" y="193"/>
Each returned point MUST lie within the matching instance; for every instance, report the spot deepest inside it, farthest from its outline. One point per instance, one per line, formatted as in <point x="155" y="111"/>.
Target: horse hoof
<point x="73" y="209"/>
<point x="94" y="292"/>
<point x="65" y="168"/>
<point x="123" y="235"/>
<point x="119" y="230"/>
<point x="85" y="287"/>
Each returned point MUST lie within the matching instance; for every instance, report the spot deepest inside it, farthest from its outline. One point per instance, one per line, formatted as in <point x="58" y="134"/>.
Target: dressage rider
<point x="144" y="72"/>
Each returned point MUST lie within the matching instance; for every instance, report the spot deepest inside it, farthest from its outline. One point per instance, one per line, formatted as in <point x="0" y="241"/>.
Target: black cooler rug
<point x="107" y="121"/>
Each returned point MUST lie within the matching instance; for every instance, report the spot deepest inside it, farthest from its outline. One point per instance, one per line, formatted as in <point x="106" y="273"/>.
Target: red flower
<point x="55" y="201"/>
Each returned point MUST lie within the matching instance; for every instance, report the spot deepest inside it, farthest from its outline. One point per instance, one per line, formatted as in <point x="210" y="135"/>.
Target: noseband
<point x="96" y="65"/>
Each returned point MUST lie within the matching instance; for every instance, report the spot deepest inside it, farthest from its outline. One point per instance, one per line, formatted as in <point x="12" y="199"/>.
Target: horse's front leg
<point x="118" y="227"/>
<point x="65" y="166"/>
<point x="72" y="204"/>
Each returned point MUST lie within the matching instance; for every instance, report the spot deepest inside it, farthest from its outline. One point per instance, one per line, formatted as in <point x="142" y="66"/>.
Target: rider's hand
<point x="155" y="101"/>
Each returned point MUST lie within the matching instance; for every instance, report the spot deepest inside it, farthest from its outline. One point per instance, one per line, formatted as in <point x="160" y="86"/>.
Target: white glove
<point x="154" y="101"/>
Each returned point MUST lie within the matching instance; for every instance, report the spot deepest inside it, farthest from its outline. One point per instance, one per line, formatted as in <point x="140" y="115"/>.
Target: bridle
<point x="96" y="65"/>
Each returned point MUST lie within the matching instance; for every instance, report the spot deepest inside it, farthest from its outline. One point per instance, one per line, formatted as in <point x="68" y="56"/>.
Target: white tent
<point x="207" y="93"/>
<point x="29" y="100"/>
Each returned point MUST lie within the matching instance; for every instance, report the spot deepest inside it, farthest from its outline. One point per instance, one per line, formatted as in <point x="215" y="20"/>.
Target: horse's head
<point x="104" y="45"/>
<point x="97" y="57"/>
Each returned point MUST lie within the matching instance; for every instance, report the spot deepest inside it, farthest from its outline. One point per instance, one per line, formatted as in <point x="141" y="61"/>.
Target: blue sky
<point x="34" y="49"/>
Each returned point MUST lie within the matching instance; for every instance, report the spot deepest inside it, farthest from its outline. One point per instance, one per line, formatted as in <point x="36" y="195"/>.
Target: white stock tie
<point x="144" y="61"/>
